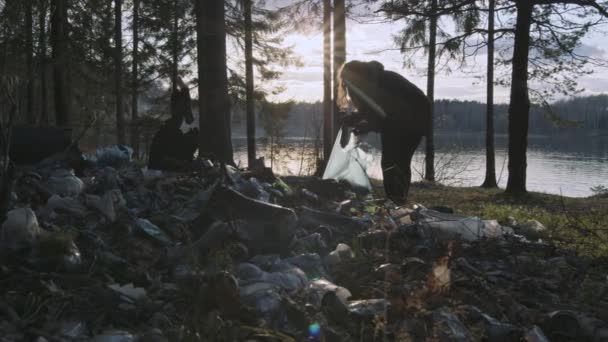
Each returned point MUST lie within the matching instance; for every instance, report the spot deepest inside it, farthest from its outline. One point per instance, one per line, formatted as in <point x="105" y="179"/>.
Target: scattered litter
<point x="74" y="329"/>
<point x="67" y="204"/>
<point x="20" y="228"/>
<point x="531" y="229"/>
<point x="129" y="292"/>
<point x="448" y="327"/>
<point x="320" y="287"/>
<point x="252" y="257"/>
<point x="105" y="205"/>
<point x="114" y="156"/>
<point x="368" y="308"/>
<point x="114" y="336"/>
<point x="342" y="253"/>
<point x="443" y="226"/>
<point x="152" y="230"/>
<point x="65" y="183"/>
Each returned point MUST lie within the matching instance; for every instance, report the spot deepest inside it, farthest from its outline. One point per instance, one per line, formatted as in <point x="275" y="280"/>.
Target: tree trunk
<point x="134" y="81"/>
<point x="339" y="52"/>
<point x="59" y="44"/>
<point x="214" y="103"/>
<point x="429" y="173"/>
<point x="120" y="115"/>
<point x="490" y="181"/>
<point x="6" y="188"/>
<point x="249" y="84"/>
<point x="29" y="48"/>
<point x="519" y="106"/>
<point x="44" y="116"/>
<point x="175" y="47"/>
<point x="328" y="130"/>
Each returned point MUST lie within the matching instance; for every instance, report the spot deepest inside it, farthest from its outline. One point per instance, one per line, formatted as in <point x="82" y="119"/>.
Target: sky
<point x="375" y="42"/>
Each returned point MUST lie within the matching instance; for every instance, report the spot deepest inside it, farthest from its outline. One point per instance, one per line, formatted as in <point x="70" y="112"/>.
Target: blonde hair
<point x="342" y="98"/>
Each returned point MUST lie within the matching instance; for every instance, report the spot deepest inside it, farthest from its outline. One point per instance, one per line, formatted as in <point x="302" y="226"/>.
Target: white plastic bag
<point x="348" y="163"/>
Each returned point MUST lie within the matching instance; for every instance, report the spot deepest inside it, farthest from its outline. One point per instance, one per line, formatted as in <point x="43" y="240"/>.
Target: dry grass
<point x="578" y="225"/>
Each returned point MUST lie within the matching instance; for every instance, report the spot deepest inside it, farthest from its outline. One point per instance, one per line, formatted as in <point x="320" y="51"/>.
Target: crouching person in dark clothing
<point x="34" y="144"/>
<point x="388" y="103"/>
<point x="175" y="143"/>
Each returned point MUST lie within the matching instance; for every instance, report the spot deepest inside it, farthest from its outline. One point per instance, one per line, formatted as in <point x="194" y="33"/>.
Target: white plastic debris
<point x="493" y="229"/>
<point x="448" y="327"/>
<point x="444" y="226"/>
<point x="114" y="336"/>
<point x="129" y="292"/>
<point x="112" y="155"/>
<point x="318" y="288"/>
<point x="152" y="230"/>
<point x="150" y="174"/>
<point x="20" y="228"/>
<point x="105" y="204"/>
<point x="531" y="228"/>
<point x="342" y="253"/>
<point x="349" y="163"/>
<point x="73" y="329"/>
<point x="368" y="308"/>
<point x="288" y="277"/>
<point x="66" y="204"/>
<point x="65" y="183"/>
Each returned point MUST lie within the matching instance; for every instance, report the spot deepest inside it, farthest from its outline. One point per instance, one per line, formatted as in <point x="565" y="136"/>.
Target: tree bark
<point x="214" y="104"/>
<point x="6" y="188"/>
<point x="249" y="84"/>
<point x="490" y="181"/>
<point x="339" y="52"/>
<point x="59" y="42"/>
<point x="134" y="81"/>
<point x="29" y="48"/>
<point x="44" y="116"/>
<point x="429" y="173"/>
<point x="120" y="116"/>
<point x="328" y="130"/>
<point x="175" y="47"/>
<point x="519" y="106"/>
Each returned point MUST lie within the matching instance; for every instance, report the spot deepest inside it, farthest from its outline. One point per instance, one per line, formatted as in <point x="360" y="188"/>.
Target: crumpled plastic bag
<point x="349" y="163"/>
<point x="65" y="183"/>
<point x="19" y="229"/>
<point x="115" y="156"/>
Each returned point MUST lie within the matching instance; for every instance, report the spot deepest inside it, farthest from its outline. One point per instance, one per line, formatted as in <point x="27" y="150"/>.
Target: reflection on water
<point x="570" y="166"/>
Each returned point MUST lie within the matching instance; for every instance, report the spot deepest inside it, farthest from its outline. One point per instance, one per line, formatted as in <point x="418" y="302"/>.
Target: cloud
<point x="375" y="42"/>
<point x="590" y="51"/>
<point x="596" y="83"/>
<point x="304" y="76"/>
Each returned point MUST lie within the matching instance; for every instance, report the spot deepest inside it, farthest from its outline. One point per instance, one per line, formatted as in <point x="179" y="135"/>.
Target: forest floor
<point x="576" y="224"/>
<point x="123" y="254"/>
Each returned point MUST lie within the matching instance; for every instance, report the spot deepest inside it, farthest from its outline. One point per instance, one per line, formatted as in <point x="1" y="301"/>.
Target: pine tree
<point x="135" y="138"/>
<point x="29" y="56"/>
<point x="42" y="61"/>
<point x="59" y="43"/>
<point x="120" y="116"/>
<point x="215" y="137"/>
<point x="339" y="50"/>
<point x="490" y="178"/>
<point x="560" y="38"/>
<point x="249" y="83"/>
<point x="328" y="130"/>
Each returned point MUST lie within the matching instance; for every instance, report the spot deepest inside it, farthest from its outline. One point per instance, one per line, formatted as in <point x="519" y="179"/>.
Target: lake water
<point x="556" y="165"/>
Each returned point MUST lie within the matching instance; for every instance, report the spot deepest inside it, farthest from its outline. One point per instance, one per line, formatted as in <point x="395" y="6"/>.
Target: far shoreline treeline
<point x="577" y="115"/>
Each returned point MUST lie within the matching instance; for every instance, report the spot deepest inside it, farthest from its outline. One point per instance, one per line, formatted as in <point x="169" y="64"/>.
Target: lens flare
<point x="314" y="331"/>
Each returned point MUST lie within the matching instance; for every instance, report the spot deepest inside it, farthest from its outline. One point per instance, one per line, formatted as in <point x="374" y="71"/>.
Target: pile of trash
<point x="121" y="253"/>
